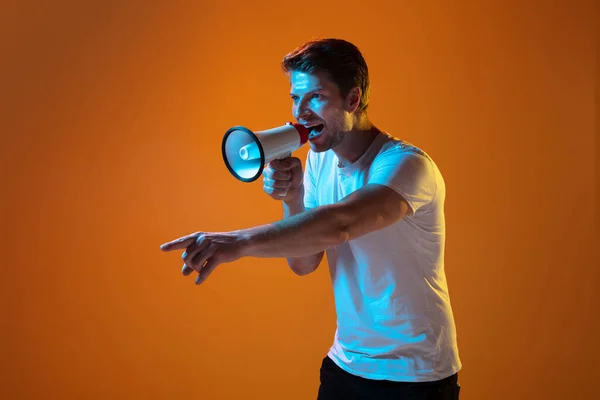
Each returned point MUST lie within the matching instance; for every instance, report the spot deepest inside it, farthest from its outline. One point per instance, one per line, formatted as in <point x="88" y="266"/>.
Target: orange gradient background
<point x="112" y="118"/>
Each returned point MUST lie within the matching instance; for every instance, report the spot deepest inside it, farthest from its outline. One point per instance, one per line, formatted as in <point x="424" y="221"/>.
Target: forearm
<point x="303" y="233"/>
<point x="301" y="265"/>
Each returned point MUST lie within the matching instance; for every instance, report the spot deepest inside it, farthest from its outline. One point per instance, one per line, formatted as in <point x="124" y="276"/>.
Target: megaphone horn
<point x="246" y="153"/>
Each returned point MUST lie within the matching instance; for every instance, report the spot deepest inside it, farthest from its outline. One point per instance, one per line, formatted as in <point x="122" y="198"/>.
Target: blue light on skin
<point x="317" y="100"/>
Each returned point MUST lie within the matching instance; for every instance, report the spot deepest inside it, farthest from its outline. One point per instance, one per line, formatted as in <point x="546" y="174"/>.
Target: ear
<point x="353" y="99"/>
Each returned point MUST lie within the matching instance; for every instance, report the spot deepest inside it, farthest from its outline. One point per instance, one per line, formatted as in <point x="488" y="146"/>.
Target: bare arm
<point x="303" y="235"/>
<point x="301" y="265"/>
<point x="283" y="181"/>
<point x="307" y="234"/>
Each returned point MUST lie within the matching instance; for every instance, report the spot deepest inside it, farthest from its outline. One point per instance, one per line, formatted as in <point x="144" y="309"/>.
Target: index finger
<point x="283" y="164"/>
<point x="270" y="173"/>
<point x="181" y="243"/>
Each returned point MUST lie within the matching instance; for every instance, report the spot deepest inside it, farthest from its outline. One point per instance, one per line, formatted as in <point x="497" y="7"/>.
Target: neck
<point x="356" y="141"/>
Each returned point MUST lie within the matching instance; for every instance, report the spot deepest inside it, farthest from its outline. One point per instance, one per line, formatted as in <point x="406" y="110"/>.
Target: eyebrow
<point x="312" y="91"/>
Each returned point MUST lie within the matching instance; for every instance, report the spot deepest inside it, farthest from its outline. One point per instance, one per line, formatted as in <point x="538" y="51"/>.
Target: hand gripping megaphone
<point x="246" y="153"/>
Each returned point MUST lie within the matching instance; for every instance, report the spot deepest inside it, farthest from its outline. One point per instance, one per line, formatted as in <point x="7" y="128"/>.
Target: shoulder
<point x="399" y="153"/>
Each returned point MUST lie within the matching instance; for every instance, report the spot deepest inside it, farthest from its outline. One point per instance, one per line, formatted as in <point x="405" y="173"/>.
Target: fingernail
<point x="197" y="280"/>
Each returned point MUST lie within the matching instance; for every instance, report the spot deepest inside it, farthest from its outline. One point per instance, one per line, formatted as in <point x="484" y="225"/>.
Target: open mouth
<point x="315" y="131"/>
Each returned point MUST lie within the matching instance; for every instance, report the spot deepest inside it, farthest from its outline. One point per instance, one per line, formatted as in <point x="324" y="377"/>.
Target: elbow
<point x="302" y="269"/>
<point x="305" y="266"/>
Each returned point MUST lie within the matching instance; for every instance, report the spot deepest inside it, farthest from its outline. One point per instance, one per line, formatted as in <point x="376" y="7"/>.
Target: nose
<point x="302" y="110"/>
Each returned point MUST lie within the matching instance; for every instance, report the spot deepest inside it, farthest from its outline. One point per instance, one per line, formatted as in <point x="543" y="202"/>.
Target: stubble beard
<point x="332" y="140"/>
<point x="336" y="136"/>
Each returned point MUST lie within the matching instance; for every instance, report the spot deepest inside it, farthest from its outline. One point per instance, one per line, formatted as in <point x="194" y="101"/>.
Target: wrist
<point x="246" y="241"/>
<point x="252" y="240"/>
<point x="295" y="197"/>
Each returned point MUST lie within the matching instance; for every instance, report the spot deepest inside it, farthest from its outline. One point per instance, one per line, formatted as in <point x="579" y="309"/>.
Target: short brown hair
<point x="341" y="60"/>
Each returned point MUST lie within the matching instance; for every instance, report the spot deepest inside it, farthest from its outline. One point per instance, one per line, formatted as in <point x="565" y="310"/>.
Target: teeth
<point x="311" y="126"/>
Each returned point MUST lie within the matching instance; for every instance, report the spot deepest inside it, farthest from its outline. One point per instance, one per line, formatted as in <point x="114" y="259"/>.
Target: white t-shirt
<point x="394" y="317"/>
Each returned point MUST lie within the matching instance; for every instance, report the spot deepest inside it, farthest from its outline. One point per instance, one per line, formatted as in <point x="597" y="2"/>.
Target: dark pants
<point x="337" y="384"/>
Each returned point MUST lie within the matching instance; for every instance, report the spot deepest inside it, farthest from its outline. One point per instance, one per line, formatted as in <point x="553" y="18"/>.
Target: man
<point x="375" y="204"/>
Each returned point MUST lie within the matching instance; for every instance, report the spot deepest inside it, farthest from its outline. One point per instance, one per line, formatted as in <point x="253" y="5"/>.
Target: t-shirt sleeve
<point x="310" y="193"/>
<point x="408" y="172"/>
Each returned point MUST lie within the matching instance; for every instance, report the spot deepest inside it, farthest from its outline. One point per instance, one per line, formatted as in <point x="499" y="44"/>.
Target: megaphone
<point x="246" y="152"/>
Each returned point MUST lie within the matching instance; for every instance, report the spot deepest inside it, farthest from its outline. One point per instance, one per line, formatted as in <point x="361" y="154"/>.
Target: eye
<point x="317" y="96"/>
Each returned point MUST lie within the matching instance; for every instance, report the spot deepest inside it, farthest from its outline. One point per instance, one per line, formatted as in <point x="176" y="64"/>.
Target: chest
<point x="335" y="185"/>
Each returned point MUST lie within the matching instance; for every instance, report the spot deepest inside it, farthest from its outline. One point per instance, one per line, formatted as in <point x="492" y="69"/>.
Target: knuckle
<point x="283" y="175"/>
<point x="274" y="165"/>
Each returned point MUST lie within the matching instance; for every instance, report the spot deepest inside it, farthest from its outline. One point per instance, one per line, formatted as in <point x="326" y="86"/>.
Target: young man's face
<point x="318" y="104"/>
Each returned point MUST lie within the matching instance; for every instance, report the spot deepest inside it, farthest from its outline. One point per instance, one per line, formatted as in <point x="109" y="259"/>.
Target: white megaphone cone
<point x="246" y="153"/>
